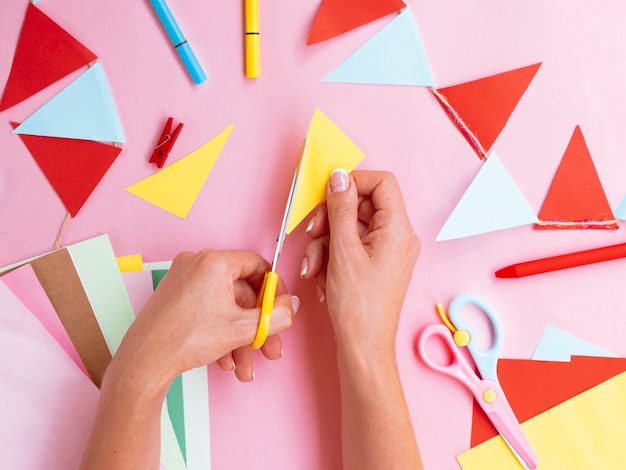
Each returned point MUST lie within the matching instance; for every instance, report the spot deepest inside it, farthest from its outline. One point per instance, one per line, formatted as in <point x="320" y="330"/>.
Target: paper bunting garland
<point x="481" y="108"/>
<point x="73" y="167"/>
<point x="492" y="202"/>
<point x="576" y="199"/>
<point x="394" y="56"/>
<point x="336" y="17"/>
<point x="83" y="110"/>
<point x="45" y="53"/>
<point x="176" y="187"/>
<point x="329" y="148"/>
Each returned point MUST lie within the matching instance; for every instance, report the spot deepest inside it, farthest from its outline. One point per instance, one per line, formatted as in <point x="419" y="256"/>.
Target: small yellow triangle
<point x="329" y="148"/>
<point x="176" y="187"/>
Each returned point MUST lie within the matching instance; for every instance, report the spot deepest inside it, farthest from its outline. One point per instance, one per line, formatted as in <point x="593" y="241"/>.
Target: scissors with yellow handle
<point x="266" y="296"/>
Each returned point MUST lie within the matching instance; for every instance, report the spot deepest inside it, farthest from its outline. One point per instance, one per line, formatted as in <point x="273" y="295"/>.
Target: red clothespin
<point x="165" y="144"/>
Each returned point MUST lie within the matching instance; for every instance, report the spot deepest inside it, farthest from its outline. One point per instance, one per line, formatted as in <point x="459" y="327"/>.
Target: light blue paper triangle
<point x="83" y="110"/>
<point x="394" y="56"/>
<point x="492" y="202"/>
<point x="558" y="345"/>
<point x="620" y="210"/>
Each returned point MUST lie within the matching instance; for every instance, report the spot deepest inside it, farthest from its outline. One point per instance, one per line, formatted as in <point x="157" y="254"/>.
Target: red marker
<point x="569" y="260"/>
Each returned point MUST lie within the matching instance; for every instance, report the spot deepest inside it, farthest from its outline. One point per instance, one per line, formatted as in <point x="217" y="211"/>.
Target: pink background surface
<point x="289" y="417"/>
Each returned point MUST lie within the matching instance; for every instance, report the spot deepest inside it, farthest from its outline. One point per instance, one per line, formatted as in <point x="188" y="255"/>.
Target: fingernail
<point x="310" y="226"/>
<point x="339" y="180"/>
<point x="253" y="376"/>
<point x="232" y="368"/>
<point x="295" y="303"/>
<point x="321" y="293"/>
<point x="282" y="353"/>
<point x="304" y="267"/>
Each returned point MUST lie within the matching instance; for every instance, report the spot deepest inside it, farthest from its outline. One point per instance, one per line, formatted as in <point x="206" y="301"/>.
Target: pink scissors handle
<point x="487" y="393"/>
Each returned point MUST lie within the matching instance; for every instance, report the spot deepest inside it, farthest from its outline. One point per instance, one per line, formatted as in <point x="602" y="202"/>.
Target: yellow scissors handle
<point x="265" y="300"/>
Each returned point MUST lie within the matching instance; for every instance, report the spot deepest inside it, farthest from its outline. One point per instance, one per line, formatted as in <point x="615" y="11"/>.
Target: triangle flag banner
<point x="73" y="167"/>
<point x="576" y="199"/>
<point x="329" y="149"/>
<point x="481" y="108"/>
<point x="45" y="53"/>
<point x="336" y="17"/>
<point x="176" y="187"/>
<point x="492" y="202"/>
<point x="394" y="56"/>
<point x="620" y="210"/>
<point x="83" y="110"/>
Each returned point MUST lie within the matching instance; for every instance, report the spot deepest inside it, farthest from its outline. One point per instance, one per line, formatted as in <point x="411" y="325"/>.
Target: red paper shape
<point x="576" y="198"/>
<point x="533" y="387"/>
<point x="73" y="167"/>
<point x="45" y="53"/>
<point x="336" y="17"/>
<point x="483" y="106"/>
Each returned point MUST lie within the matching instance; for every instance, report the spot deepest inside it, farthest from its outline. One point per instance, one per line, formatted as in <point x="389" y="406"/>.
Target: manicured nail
<point x="339" y="180"/>
<point x="304" y="267"/>
<point x="321" y="293"/>
<point x="282" y="353"/>
<point x="232" y="368"/>
<point x="295" y="303"/>
<point x="253" y="376"/>
<point x="310" y="226"/>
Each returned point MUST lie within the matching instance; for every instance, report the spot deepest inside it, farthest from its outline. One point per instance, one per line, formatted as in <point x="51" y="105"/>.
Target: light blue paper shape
<point x="558" y="345"/>
<point x="620" y="210"/>
<point x="394" y="56"/>
<point x="492" y="202"/>
<point x="83" y="110"/>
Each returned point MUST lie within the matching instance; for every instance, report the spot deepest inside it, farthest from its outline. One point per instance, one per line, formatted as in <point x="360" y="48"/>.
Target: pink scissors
<point x="486" y="390"/>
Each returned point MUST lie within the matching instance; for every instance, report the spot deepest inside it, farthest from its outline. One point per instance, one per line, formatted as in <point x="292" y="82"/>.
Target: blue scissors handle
<point x="485" y="359"/>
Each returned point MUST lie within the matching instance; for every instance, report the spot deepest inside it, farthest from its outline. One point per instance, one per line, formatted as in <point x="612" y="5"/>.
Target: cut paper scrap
<point x="329" y="148"/>
<point x="139" y="287"/>
<point x="82" y="110"/>
<point x="481" y="108"/>
<point x="130" y="263"/>
<point x="533" y="387"/>
<point x="176" y="187"/>
<point x="492" y="202"/>
<point x="576" y="199"/>
<point x="48" y="403"/>
<point x="620" y="210"/>
<point x="73" y="167"/>
<point x="558" y="345"/>
<point x="336" y="17"/>
<point x="394" y="56"/>
<point x="25" y="286"/>
<point x="45" y="53"/>
<point x="587" y="431"/>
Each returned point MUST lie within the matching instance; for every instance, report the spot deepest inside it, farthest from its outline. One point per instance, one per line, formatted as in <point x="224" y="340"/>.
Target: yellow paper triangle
<point x="329" y="148"/>
<point x="176" y="187"/>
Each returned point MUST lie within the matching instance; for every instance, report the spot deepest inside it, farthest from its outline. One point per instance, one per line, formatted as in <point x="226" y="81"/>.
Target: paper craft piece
<point x="620" y="210"/>
<point x="492" y="202"/>
<point x="25" y="286"/>
<point x="336" y="17"/>
<point x="73" y="167"/>
<point x="45" y="53"/>
<point x="130" y="263"/>
<point x="533" y="387"/>
<point x="83" y="110"/>
<point x="481" y="108"/>
<point x="558" y="345"/>
<point x="103" y="283"/>
<point x="176" y="187"/>
<point x="585" y="432"/>
<point x="175" y="409"/>
<point x="48" y="403"/>
<point x="329" y="148"/>
<point x="196" y="400"/>
<point x="171" y="455"/>
<point x="139" y="287"/>
<point x="63" y="286"/>
<point x="394" y="56"/>
<point x="576" y="199"/>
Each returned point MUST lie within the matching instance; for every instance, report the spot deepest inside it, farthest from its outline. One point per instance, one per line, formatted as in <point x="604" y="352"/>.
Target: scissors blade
<point x="290" y="199"/>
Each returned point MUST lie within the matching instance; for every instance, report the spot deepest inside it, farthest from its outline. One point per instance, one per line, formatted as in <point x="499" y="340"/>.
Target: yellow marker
<point x="253" y="39"/>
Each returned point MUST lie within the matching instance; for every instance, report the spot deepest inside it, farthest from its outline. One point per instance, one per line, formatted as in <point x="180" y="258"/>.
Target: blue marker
<point x="178" y="41"/>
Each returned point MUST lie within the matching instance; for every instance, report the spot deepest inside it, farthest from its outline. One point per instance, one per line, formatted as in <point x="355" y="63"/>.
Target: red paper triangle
<point x="576" y="198"/>
<point x="485" y="105"/>
<point x="45" y="53"/>
<point x="335" y="17"/>
<point x="73" y="167"/>
<point x="532" y="387"/>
